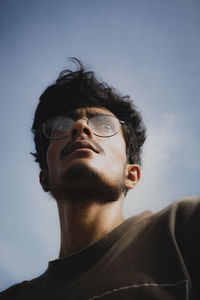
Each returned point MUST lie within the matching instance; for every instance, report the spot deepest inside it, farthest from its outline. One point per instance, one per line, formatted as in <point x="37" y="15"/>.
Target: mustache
<point x="70" y="143"/>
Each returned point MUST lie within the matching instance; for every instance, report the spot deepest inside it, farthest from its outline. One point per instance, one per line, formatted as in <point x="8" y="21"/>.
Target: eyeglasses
<point x="59" y="127"/>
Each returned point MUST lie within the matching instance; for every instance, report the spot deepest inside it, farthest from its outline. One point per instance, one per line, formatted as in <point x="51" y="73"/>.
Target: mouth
<point x="78" y="145"/>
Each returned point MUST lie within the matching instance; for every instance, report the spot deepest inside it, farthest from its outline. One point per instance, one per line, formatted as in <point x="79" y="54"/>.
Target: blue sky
<point x="148" y="49"/>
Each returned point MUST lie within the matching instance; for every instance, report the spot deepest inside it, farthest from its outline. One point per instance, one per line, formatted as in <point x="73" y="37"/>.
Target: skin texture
<point x="88" y="184"/>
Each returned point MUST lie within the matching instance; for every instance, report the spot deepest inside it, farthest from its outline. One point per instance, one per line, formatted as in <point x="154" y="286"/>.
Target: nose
<point x="81" y="127"/>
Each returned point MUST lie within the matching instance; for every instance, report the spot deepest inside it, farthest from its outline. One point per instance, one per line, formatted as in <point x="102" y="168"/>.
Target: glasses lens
<point x="58" y="127"/>
<point x="104" y="125"/>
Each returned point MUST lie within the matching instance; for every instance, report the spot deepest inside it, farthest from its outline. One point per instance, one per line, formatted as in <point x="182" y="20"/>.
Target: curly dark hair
<point x="80" y="88"/>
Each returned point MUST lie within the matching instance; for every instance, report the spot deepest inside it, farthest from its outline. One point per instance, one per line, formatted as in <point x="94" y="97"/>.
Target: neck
<point x="82" y="225"/>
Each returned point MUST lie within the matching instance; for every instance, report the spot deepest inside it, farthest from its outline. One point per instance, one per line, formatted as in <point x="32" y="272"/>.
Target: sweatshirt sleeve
<point x="187" y="232"/>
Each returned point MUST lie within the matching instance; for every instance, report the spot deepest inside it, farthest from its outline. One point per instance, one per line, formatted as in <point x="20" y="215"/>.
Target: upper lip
<point x="78" y="145"/>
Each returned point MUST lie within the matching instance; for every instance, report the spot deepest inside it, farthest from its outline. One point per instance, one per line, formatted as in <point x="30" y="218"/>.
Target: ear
<point x="132" y="175"/>
<point x="44" y="180"/>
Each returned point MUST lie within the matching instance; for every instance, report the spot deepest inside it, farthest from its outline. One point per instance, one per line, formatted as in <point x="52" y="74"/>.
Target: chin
<point x="79" y="170"/>
<point x="82" y="182"/>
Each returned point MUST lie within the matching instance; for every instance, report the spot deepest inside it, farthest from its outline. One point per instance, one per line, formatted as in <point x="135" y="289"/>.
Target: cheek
<point x="52" y="153"/>
<point x="117" y="152"/>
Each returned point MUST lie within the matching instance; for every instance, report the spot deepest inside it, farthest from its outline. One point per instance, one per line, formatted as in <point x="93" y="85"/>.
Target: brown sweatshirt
<point x="149" y="256"/>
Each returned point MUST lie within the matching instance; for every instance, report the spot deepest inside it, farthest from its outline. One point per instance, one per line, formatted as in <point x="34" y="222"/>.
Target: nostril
<point x="79" y="127"/>
<point x="74" y="132"/>
<point x="85" y="130"/>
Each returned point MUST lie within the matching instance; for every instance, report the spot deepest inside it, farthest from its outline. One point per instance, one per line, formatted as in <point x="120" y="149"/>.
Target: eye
<point x="61" y="128"/>
<point x="104" y="125"/>
<point x="107" y="126"/>
<point x="57" y="131"/>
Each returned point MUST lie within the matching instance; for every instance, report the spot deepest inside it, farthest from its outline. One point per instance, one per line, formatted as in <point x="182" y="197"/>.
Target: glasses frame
<point x="57" y="139"/>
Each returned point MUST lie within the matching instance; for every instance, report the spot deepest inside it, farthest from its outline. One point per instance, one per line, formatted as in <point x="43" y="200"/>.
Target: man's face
<point x="86" y="164"/>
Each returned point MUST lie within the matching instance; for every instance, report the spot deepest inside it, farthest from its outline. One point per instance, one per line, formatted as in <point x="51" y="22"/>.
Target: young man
<point x="88" y="144"/>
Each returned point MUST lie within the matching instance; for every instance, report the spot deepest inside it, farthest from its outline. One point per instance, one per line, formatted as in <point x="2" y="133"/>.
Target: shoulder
<point x="180" y="220"/>
<point x="183" y="215"/>
<point x="183" y="221"/>
<point x="23" y="289"/>
<point x="185" y="209"/>
<point x="182" y="211"/>
<point x="188" y="203"/>
<point x="12" y="292"/>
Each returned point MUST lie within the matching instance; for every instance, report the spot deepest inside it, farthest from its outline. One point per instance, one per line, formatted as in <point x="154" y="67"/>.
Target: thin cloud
<point x="161" y="145"/>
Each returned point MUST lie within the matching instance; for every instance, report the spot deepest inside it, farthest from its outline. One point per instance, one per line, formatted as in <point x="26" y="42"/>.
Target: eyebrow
<point x="77" y="115"/>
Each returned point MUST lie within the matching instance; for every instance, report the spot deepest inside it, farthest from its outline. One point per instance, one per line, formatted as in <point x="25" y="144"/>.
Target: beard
<point x="82" y="184"/>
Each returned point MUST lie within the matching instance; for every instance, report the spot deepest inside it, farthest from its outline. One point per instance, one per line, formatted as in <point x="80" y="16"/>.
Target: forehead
<point x="88" y="112"/>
